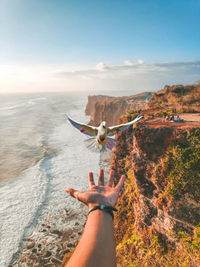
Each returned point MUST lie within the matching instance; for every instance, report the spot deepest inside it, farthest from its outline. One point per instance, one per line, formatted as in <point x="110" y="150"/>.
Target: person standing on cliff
<point x="96" y="246"/>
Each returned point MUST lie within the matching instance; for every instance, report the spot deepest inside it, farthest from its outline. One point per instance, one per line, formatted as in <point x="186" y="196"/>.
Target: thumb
<point x="72" y="192"/>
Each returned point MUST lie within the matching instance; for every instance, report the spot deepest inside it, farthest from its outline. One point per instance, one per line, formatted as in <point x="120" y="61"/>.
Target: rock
<point x="29" y="239"/>
<point x="56" y="232"/>
<point x="43" y="230"/>
<point x="58" y="250"/>
<point x="177" y="96"/>
<point x="143" y="153"/>
<point x="56" y="260"/>
<point x="70" y="245"/>
<point x="32" y="257"/>
<point x="108" y="108"/>
<point x="23" y="259"/>
<point x="67" y="211"/>
<point x="30" y="245"/>
<point x="48" y="253"/>
<point x="34" y="250"/>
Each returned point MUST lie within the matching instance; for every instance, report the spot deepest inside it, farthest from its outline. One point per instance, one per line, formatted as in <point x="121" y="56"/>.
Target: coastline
<point x="36" y="132"/>
<point x="55" y="237"/>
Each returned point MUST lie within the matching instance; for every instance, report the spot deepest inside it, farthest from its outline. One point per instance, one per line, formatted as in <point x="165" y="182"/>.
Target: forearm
<point x="96" y="247"/>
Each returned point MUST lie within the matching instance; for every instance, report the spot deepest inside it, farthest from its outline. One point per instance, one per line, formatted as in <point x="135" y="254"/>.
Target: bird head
<point x="103" y="124"/>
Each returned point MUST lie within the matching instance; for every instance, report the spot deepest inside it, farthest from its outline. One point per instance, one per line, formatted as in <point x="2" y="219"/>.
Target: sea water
<point x="40" y="156"/>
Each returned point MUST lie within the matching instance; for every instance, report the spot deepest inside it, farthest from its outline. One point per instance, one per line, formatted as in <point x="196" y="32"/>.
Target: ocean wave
<point x="11" y="109"/>
<point x="20" y="198"/>
<point x="64" y="161"/>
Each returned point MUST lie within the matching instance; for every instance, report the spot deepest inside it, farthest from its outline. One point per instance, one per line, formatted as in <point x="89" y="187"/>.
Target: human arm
<point x="97" y="247"/>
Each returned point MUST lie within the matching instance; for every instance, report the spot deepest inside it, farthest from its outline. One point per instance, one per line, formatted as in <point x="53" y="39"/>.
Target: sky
<point x="99" y="45"/>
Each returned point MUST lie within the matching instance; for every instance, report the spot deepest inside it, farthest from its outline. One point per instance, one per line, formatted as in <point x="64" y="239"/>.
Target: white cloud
<point x="140" y="61"/>
<point x="132" y="63"/>
<point x="129" y="63"/>
<point x="101" y="66"/>
<point x="134" y="76"/>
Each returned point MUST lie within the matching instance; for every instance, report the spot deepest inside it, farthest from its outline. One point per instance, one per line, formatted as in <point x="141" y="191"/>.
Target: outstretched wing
<point x="83" y="128"/>
<point x="121" y="127"/>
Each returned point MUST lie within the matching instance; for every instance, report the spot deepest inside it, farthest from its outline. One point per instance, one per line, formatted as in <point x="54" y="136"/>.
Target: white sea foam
<point x="40" y="190"/>
<point x="10" y="108"/>
<point x="19" y="201"/>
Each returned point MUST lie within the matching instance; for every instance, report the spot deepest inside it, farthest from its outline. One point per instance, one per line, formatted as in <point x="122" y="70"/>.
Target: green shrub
<point x="183" y="167"/>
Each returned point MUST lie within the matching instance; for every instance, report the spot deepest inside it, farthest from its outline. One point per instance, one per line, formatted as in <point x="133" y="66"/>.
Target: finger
<point x="120" y="183"/>
<point x="101" y="177"/>
<point x="72" y="192"/>
<point x="91" y="179"/>
<point x="111" y="178"/>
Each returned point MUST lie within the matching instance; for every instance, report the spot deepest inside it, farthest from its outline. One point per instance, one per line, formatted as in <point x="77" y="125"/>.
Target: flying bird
<point x="100" y="136"/>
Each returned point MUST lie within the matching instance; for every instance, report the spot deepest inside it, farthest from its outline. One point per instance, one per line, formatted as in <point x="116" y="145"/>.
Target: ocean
<point x="41" y="155"/>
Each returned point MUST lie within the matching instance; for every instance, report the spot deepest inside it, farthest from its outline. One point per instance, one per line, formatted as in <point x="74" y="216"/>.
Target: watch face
<point x="102" y="207"/>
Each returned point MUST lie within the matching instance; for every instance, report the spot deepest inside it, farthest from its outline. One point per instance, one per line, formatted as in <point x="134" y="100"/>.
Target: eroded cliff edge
<point x="158" y="218"/>
<point x="159" y="209"/>
<point x="110" y="109"/>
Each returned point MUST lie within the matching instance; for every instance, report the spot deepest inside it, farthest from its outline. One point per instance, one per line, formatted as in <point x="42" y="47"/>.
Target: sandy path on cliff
<point x="190" y="117"/>
<point x="190" y="120"/>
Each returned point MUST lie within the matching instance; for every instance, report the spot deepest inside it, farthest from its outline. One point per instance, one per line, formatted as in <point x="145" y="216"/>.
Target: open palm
<point x="99" y="194"/>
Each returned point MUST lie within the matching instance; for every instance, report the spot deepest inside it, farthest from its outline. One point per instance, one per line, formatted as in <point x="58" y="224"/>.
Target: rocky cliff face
<point x="157" y="223"/>
<point x="179" y="97"/>
<point x="161" y="198"/>
<point x="110" y="109"/>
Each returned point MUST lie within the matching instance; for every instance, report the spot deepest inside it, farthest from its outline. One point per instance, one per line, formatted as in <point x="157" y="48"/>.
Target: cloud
<point x="139" y="67"/>
<point x="101" y="66"/>
<point x="140" y="61"/>
<point x="138" y="76"/>
<point x="129" y="63"/>
<point x="132" y="63"/>
<point x="131" y="76"/>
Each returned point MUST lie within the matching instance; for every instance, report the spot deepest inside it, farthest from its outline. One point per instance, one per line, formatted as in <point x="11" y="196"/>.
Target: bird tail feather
<point x="93" y="145"/>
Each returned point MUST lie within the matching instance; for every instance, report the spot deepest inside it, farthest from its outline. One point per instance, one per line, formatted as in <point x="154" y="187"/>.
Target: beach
<point x="48" y="156"/>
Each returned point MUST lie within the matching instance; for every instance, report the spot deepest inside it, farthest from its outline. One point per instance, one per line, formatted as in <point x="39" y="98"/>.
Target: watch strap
<point x="108" y="209"/>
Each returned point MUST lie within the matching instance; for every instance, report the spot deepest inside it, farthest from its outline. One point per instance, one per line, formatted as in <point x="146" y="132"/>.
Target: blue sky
<point x="79" y="34"/>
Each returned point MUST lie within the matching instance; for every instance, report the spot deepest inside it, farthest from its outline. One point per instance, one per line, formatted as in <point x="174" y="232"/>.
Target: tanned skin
<point x="96" y="247"/>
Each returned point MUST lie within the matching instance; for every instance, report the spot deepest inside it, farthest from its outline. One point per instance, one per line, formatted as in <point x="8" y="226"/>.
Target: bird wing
<point x="121" y="127"/>
<point x="83" y="128"/>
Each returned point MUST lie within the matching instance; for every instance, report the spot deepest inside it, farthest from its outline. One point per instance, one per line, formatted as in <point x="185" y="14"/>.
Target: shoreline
<point x="56" y="235"/>
<point x="52" y="239"/>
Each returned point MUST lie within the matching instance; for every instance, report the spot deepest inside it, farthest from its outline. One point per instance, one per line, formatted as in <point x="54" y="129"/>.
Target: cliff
<point x="110" y="109"/>
<point x="181" y="98"/>
<point x="157" y="223"/>
<point x="159" y="209"/>
<point x="171" y="99"/>
<point x="158" y="218"/>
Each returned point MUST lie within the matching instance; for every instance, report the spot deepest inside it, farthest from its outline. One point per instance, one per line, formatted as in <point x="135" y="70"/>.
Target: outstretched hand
<point x="99" y="194"/>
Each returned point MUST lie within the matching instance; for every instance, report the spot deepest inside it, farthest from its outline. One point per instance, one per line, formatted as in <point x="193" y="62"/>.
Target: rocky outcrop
<point x="52" y="242"/>
<point x="158" y="210"/>
<point x="110" y="109"/>
<point x="150" y="145"/>
<point x="156" y="206"/>
<point x="179" y="97"/>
